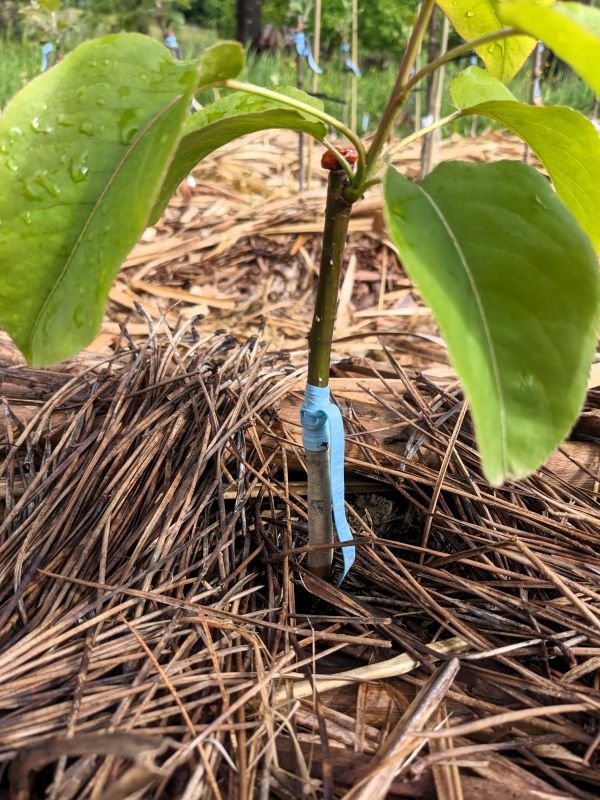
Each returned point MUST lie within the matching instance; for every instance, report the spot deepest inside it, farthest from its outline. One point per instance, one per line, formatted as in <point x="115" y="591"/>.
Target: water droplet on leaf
<point x="100" y="101"/>
<point x="12" y="165"/>
<point x="30" y="190"/>
<point x="26" y="217"/>
<point x="43" y="180"/>
<point x="79" y="169"/>
<point x="128" y="125"/>
<point x="87" y="128"/>
<point x="35" y="124"/>
<point x="78" y="317"/>
<point x="105" y="63"/>
<point x="470" y="14"/>
<point x="63" y="121"/>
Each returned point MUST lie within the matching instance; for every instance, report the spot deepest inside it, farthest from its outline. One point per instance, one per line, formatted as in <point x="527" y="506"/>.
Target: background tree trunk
<point x="249" y="24"/>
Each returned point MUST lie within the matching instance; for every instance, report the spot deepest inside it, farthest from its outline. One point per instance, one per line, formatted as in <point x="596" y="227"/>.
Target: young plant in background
<point x="505" y="260"/>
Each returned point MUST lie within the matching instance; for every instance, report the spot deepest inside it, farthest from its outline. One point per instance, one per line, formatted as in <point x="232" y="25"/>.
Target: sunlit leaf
<point x="564" y="140"/>
<point x="570" y="30"/>
<point x="475" y="18"/>
<point x="227" y="119"/>
<point x="514" y="285"/>
<point x="84" y="149"/>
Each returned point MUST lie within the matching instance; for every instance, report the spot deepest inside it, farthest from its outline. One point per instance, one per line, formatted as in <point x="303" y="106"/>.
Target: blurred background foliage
<point x="383" y="27"/>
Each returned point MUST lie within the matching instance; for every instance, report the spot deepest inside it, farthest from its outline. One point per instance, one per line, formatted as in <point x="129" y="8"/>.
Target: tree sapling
<point x="505" y="260"/>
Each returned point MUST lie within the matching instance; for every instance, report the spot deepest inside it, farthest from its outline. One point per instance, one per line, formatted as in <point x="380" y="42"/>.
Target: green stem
<point x="337" y="217"/>
<point x="449" y="55"/>
<point x="424" y="131"/>
<point x="406" y="65"/>
<point x="304" y="108"/>
<point x="404" y="85"/>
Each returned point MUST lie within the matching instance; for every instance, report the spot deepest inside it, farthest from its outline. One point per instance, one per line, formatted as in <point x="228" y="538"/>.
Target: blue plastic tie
<point x="304" y="50"/>
<point x="47" y="50"/>
<point x="322" y="429"/>
<point x="348" y="63"/>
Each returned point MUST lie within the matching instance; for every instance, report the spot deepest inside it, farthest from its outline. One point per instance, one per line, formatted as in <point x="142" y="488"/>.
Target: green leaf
<point x="227" y="119"/>
<point x="514" y="285"/>
<point x="50" y="5"/>
<point x="475" y="18"/>
<point x="220" y="62"/>
<point x="564" y="140"/>
<point x="475" y="85"/>
<point x="570" y="30"/>
<point x="83" y="152"/>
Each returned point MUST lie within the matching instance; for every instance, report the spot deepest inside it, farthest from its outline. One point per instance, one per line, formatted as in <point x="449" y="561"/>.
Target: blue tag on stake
<point x="322" y="427"/>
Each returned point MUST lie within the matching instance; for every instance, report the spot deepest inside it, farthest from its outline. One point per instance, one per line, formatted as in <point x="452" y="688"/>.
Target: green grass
<point x="18" y="64"/>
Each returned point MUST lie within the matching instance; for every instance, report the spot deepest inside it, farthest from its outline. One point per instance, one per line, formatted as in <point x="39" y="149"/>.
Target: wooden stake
<point x="354" y="56"/>
<point x="314" y="83"/>
<point x="431" y="141"/>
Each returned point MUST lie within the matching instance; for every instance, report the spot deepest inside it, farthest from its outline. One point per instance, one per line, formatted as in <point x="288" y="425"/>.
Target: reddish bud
<point x="329" y="161"/>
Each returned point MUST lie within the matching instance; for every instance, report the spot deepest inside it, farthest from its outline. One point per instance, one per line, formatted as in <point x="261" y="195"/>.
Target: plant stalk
<point x="412" y="50"/>
<point x="298" y="105"/>
<point x="337" y="217"/>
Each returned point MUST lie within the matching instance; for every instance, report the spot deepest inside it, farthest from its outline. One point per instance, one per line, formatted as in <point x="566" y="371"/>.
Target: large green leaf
<point x="514" y="285"/>
<point x="475" y="18"/>
<point x="571" y="31"/>
<point x="84" y="149"/>
<point x="564" y="140"/>
<point x="229" y="118"/>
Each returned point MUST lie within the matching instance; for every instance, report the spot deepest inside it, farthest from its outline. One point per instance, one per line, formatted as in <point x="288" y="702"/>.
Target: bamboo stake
<point x="354" y="54"/>
<point x="418" y="103"/>
<point x="301" y="159"/>
<point x="431" y="140"/>
<point x="535" y="97"/>
<point x="314" y="82"/>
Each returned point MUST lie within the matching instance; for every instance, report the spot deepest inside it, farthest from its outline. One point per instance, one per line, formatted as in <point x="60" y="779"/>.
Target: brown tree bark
<point x="249" y="24"/>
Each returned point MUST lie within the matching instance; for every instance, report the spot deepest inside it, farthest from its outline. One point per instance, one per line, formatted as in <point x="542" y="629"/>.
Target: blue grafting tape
<point x="304" y="50"/>
<point x="323" y="428"/>
<point x="47" y="49"/>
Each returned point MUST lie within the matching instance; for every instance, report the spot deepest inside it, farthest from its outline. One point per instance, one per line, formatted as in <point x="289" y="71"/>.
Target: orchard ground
<point x="153" y="535"/>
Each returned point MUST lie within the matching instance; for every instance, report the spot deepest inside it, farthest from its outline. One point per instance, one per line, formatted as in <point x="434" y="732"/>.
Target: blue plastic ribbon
<point x="323" y="429"/>
<point x="348" y="63"/>
<point x="304" y="50"/>
<point x="47" y="50"/>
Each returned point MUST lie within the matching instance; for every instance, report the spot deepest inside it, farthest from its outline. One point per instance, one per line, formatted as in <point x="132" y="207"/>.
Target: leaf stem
<point x="412" y="49"/>
<point x="404" y="84"/>
<point x="424" y="131"/>
<point x="449" y="55"/>
<point x="304" y="108"/>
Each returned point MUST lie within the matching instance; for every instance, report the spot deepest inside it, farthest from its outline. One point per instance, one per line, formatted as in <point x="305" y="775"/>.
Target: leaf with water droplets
<point x="514" y="284"/>
<point x="475" y="18"/>
<point x="68" y="175"/>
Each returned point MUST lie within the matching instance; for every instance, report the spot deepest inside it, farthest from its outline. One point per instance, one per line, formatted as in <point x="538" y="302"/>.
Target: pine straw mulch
<point x="158" y="631"/>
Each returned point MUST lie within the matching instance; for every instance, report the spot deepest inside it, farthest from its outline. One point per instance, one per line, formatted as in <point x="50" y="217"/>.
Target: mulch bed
<point x="159" y="632"/>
